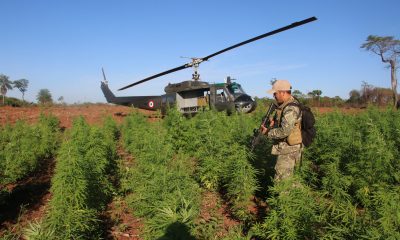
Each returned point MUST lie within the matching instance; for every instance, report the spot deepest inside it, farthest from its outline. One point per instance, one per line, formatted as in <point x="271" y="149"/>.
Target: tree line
<point x="43" y="97"/>
<point x="367" y="94"/>
<point x="6" y="84"/>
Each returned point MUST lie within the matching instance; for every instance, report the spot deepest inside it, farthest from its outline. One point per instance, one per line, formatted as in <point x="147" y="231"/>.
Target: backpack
<point x="308" y="130"/>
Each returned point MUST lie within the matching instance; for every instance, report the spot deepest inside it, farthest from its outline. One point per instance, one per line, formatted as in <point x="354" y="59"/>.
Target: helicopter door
<point x="220" y="95"/>
<point x="222" y="102"/>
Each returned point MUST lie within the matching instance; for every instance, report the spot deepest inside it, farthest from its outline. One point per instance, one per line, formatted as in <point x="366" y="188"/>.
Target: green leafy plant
<point x="24" y="147"/>
<point x="80" y="187"/>
<point x="159" y="186"/>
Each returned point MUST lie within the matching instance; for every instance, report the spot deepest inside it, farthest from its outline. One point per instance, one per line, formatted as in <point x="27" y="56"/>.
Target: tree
<point x="355" y="96"/>
<point x="44" y="96"/>
<point x="5" y="85"/>
<point x="22" y="85"/>
<point x="297" y="94"/>
<point x="366" y="92"/>
<point x="388" y="49"/>
<point x="315" y="93"/>
<point x="382" y="96"/>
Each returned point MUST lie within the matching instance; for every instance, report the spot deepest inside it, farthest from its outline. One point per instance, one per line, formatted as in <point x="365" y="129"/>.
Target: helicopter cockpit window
<point x="221" y="96"/>
<point x="235" y="89"/>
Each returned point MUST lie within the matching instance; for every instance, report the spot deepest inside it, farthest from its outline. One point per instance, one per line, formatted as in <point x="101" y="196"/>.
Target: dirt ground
<point x="93" y="113"/>
<point x="27" y="200"/>
<point x="348" y="110"/>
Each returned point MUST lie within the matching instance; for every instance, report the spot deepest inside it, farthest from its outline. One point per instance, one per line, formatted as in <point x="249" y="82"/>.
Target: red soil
<point x="93" y="113"/>
<point x="343" y="110"/>
<point x="27" y="199"/>
<point x="123" y="225"/>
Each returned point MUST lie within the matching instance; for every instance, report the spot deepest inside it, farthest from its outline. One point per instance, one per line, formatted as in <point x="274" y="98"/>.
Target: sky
<point x="62" y="45"/>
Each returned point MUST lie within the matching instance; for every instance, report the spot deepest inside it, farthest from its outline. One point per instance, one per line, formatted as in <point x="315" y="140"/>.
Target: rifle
<point x="265" y="122"/>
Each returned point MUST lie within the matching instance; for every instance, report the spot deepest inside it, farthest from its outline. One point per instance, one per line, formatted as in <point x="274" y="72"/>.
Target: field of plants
<point x="195" y="178"/>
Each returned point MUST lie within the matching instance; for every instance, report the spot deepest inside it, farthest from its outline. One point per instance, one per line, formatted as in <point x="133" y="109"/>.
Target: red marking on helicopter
<point x="150" y="104"/>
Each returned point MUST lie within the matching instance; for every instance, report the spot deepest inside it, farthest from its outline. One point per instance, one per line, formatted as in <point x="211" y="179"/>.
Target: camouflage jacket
<point x="283" y="127"/>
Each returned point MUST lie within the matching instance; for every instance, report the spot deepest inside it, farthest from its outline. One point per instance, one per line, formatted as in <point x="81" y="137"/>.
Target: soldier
<point x="285" y="130"/>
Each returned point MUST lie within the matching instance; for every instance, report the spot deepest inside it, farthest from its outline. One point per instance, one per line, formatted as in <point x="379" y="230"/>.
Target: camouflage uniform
<point x="288" y="156"/>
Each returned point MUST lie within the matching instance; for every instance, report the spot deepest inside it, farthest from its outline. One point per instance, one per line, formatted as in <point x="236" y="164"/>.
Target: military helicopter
<point x="194" y="95"/>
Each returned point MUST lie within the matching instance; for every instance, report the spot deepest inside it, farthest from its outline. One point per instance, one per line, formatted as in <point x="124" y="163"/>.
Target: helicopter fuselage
<point x="190" y="97"/>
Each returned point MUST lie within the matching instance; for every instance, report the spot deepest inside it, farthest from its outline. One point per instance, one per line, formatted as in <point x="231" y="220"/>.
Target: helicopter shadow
<point x="177" y="231"/>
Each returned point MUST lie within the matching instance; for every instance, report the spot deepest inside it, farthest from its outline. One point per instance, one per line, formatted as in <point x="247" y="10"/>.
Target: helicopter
<point x="194" y="95"/>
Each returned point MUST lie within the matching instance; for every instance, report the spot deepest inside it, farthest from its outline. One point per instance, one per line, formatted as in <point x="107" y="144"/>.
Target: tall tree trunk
<point x="394" y="81"/>
<point x="3" y="91"/>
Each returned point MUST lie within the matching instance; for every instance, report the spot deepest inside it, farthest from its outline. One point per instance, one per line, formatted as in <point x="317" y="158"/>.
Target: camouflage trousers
<point x="285" y="164"/>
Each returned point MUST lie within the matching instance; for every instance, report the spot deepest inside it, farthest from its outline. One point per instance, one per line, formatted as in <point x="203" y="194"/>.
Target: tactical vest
<point x="295" y="134"/>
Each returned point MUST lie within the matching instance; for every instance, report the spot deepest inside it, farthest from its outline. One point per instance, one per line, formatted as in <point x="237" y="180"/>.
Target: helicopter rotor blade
<point x="197" y="61"/>
<point x="156" y="76"/>
<point x="104" y="75"/>
<point x="293" y="25"/>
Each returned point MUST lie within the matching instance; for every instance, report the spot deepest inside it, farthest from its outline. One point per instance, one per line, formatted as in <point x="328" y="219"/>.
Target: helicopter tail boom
<point x="142" y="102"/>
<point x="110" y="97"/>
